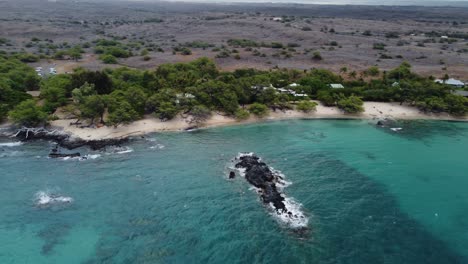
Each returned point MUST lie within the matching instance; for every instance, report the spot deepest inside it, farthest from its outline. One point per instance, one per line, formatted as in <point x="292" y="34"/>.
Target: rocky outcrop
<point x="259" y="175"/>
<point x="64" y="139"/>
<point x="269" y="184"/>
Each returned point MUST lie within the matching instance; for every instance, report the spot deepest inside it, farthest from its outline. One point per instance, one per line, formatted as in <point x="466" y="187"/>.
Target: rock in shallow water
<point x="260" y="175"/>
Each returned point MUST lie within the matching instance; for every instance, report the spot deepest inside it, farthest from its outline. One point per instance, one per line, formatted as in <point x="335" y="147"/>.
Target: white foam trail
<point x="396" y="129"/>
<point x="11" y="144"/>
<point x="45" y="198"/>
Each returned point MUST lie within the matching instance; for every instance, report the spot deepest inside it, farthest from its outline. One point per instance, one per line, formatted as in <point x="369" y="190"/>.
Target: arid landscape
<point x="340" y="38"/>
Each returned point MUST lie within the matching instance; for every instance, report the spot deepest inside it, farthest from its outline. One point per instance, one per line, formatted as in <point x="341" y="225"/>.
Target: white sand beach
<point x="373" y="110"/>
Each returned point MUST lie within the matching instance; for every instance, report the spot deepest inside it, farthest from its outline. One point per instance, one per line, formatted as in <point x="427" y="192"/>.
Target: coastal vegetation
<point x="197" y="88"/>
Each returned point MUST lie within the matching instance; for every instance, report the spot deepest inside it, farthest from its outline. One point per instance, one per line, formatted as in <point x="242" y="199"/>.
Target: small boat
<point x="54" y="153"/>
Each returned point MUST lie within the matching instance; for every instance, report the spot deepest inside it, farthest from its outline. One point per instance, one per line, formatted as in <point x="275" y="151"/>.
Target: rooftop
<point x="450" y="81"/>
<point x="336" y="86"/>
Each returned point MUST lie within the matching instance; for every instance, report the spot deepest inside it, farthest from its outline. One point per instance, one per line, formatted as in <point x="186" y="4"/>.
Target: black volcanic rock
<point x="64" y="140"/>
<point x="260" y="175"/>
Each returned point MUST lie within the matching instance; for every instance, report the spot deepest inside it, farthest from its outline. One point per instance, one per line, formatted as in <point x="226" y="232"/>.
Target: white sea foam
<point x="82" y="158"/>
<point x="46" y="198"/>
<point x="125" y="151"/>
<point x="11" y="144"/>
<point x="396" y="129"/>
<point x="118" y="150"/>
<point x="158" y="146"/>
<point x="91" y="156"/>
<point x="294" y="217"/>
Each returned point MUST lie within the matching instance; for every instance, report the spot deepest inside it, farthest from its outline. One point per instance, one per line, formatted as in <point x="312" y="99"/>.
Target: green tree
<point x="306" y="106"/>
<point x="258" y="109"/>
<point x="456" y="105"/>
<point x="55" y="90"/>
<point x="326" y="98"/>
<point x="3" y="112"/>
<point x="167" y="111"/>
<point x="433" y="104"/>
<point x="242" y="114"/>
<point x="199" y="114"/>
<point x="122" y="113"/>
<point x="75" y="54"/>
<point x="351" y="105"/>
<point x="27" y="113"/>
<point x="93" y="107"/>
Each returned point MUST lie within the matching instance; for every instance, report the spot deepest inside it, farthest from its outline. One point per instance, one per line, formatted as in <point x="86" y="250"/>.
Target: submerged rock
<point x="232" y="175"/>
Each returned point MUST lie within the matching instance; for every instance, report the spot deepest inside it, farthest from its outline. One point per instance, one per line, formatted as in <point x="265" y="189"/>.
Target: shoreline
<point x="149" y="124"/>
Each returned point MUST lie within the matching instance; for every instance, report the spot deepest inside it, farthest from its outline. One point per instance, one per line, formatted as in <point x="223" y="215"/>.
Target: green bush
<point x="122" y="113"/>
<point x="243" y="43"/>
<point x="351" y="105"/>
<point x="166" y="111"/>
<point x="242" y="114"/>
<point x="317" y="56"/>
<point x="306" y="106"/>
<point x="28" y="114"/>
<point x="258" y="109"/>
<point x="108" y="59"/>
<point x="456" y="104"/>
<point x="433" y="104"/>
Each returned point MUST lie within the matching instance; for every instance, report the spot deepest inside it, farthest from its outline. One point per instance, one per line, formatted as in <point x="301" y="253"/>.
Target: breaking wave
<point x="120" y="150"/>
<point x="47" y="198"/>
<point x="11" y="144"/>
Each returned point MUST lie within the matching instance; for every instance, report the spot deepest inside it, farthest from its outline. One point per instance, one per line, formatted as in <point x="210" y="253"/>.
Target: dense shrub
<point x="306" y="106"/>
<point x="258" y="109"/>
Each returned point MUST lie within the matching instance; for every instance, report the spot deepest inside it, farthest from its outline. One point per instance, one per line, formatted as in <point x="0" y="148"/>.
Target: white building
<point x="451" y="81"/>
<point x="336" y="86"/>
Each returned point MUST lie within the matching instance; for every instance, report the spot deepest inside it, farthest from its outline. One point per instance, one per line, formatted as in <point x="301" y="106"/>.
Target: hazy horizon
<point x="463" y="3"/>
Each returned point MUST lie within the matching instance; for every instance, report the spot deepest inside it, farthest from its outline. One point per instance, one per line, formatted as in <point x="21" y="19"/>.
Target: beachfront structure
<point x="451" y="81"/>
<point x="336" y="86"/>
<point x="183" y="95"/>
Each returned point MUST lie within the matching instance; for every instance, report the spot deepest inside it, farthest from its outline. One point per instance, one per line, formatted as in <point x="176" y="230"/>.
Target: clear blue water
<point x="371" y="196"/>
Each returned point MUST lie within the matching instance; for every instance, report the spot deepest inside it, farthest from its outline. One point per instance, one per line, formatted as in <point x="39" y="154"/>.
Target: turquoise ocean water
<point x="371" y="195"/>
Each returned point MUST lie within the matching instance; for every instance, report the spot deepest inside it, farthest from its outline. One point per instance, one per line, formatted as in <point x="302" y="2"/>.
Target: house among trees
<point x="451" y="81"/>
<point x="336" y="86"/>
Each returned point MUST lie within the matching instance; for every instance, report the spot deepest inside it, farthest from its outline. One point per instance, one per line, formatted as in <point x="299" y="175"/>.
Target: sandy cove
<point x="373" y="110"/>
